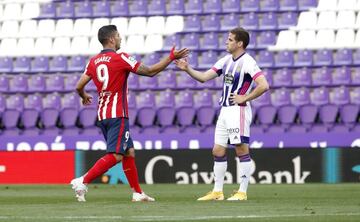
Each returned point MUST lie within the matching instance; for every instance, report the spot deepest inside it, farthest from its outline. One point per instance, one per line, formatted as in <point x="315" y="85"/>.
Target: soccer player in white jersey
<point x="239" y="72"/>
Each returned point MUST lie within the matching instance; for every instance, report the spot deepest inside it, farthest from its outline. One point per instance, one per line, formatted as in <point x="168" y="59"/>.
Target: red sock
<point x="131" y="173"/>
<point x="100" y="167"/>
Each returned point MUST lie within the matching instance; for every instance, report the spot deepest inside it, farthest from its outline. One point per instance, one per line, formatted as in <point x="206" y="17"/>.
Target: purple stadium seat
<point x="49" y="118"/>
<point x="355" y="78"/>
<point x="210" y="41"/>
<point x="282" y="78"/>
<point x="29" y="118"/>
<point x="167" y="80"/>
<point x="185" y="82"/>
<point x="276" y="129"/>
<point x="302" y="77"/>
<point x="6" y="64"/>
<point x="71" y="81"/>
<point x="40" y="64"/>
<point x="4" y="83"/>
<point x="22" y="64"/>
<point x="265" y="111"/>
<point x="250" y="6"/>
<point x="340" y="96"/>
<point x="231" y="21"/>
<point x="133" y="81"/>
<point x="211" y="23"/>
<point x="208" y="59"/>
<point x="343" y="57"/>
<point x="323" y="57"/>
<point x="190" y="129"/>
<point x="284" y="59"/>
<point x="304" y="58"/>
<point x="87" y="117"/>
<point x="170" y="40"/>
<point x="84" y="10"/>
<point x="268" y="21"/>
<point x="307" y="112"/>
<point x="18" y="84"/>
<point x="355" y="96"/>
<point x="288" y="5"/>
<point x="165" y="108"/>
<point x="194" y="7"/>
<point x="348" y="112"/>
<point x="66" y="9"/>
<point x="58" y="64"/>
<point x="157" y="7"/>
<point x="119" y="8"/>
<point x="150" y="59"/>
<point x="269" y="5"/>
<point x="307" y="4"/>
<point x="268" y="73"/>
<point x="356" y="57"/>
<point x="150" y="130"/>
<point x="33" y="101"/>
<point x="229" y="6"/>
<point x="193" y="59"/>
<point x="341" y="76"/>
<point x="265" y="59"/>
<point x="47" y="10"/>
<point x="15" y="102"/>
<point x="2" y="104"/>
<point x="68" y="117"/>
<point x="287" y="19"/>
<point x="212" y="6"/>
<point x="266" y="38"/>
<point x="147" y="83"/>
<point x="263" y="100"/>
<point x="205" y="112"/>
<point x="101" y="9"/>
<point x="320" y="96"/>
<point x="286" y="112"/>
<point x="176" y="7"/>
<point x="138" y="8"/>
<point x="71" y="100"/>
<point x="36" y="83"/>
<point x="55" y="83"/>
<point x="250" y="21"/>
<point x="185" y="110"/>
<point x="132" y="108"/>
<point x="10" y="119"/>
<point x="252" y="43"/>
<point x="321" y="77"/>
<point x="146" y="109"/>
<point x="52" y="101"/>
<point x="192" y="23"/>
<point x="327" y="112"/>
<point x="77" y="64"/>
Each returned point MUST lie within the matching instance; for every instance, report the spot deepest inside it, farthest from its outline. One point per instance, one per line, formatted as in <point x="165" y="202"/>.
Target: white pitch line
<point x="170" y="218"/>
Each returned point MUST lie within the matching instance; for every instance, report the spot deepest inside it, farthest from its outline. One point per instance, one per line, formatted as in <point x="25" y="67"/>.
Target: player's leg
<point x="111" y="129"/>
<point x="220" y="161"/>
<point x="130" y="170"/>
<point x="242" y="152"/>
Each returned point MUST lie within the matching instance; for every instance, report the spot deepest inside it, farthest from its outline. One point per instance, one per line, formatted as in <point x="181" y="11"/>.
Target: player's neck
<point x="109" y="47"/>
<point x="238" y="53"/>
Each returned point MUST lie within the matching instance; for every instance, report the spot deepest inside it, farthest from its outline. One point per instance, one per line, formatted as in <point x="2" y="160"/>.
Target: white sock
<point x="245" y="170"/>
<point x="219" y="174"/>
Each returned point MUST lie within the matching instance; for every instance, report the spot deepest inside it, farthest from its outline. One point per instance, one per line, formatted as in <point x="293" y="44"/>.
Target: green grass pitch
<point x="310" y="202"/>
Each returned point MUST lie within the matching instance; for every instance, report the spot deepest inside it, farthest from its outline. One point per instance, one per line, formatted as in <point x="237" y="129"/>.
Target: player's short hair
<point x="241" y="35"/>
<point x="106" y="32"/>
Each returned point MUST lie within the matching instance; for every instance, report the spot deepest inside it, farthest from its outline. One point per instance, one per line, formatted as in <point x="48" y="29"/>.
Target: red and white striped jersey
<point x="109" y="71"/>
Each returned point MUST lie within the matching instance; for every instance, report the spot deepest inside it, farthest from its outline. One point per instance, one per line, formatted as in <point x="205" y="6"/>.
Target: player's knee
<point x="218" y="152"/>
<point x="118" y="157"/>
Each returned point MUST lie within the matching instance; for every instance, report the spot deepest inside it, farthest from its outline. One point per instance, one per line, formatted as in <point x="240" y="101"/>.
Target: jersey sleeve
<point x="218" y="66"/>
<point x="89" y="70"/>
<point x="131" y="63"/>
<point x="252" y="68"/>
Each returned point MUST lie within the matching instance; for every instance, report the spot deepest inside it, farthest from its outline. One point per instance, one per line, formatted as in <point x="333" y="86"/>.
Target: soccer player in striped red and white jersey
<point x="109" y="71"/>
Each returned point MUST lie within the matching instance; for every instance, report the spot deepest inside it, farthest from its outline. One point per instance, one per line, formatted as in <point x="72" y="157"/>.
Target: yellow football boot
<point x="213" y="195"/>
<point x="238" y="196"/>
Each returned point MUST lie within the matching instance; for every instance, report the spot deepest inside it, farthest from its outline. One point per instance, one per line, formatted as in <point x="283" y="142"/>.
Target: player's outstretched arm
<point x="199" y="76"/>
<point x="160" y="66"/>
<point x="80" y="88"/>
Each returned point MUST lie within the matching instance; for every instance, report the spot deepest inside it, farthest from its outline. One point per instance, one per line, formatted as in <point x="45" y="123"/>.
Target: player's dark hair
<point x="106" y="32"/>
<point x="241" y="35"/>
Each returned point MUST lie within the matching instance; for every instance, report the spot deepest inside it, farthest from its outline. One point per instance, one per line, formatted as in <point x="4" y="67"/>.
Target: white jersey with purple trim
<point x="238" y="75"/>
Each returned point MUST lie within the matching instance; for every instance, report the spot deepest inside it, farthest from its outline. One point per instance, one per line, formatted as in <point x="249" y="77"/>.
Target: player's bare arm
<point x="199" y="76"/>
<point x="80" y="88"/>
<point x="160" y="66"/>
<point x="261" y="87"/>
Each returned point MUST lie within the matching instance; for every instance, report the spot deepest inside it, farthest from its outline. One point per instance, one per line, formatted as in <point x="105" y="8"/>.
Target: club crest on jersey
<point x="228" y="79"/>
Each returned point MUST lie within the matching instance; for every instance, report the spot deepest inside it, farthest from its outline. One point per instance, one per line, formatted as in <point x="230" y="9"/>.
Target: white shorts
<point x="233" y="125"/>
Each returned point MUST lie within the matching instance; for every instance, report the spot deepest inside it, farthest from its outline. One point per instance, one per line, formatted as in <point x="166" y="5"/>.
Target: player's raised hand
<point x="182" y="64"/>
<point x="178" y="54"/>
<point x="87" y="99"/>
